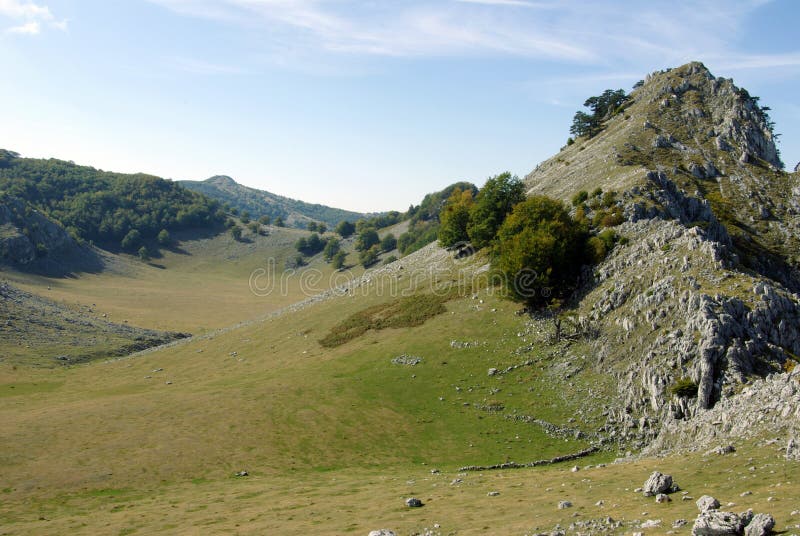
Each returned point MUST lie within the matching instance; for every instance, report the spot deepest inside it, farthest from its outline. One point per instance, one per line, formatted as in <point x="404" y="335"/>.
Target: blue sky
<point x="365" y="105"/>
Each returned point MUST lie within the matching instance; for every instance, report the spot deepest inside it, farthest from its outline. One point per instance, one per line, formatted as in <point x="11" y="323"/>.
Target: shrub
<point x="236" y="232"/>
<point x="579" y="198"/>
<point x="338" y="260"/>
<point x="132" y="240"/>
<point x="164" y="238"/>
<point x="684" y="388"/>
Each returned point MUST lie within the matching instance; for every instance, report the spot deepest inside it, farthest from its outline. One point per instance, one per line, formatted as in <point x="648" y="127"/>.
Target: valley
<point x="271" y="393"/>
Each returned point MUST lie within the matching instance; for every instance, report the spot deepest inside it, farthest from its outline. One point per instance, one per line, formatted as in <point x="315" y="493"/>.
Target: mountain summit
<point x="702" y="299"/>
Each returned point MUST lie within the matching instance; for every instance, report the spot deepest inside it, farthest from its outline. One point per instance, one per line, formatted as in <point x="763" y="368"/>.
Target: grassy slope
<point x="201" y="285"/>
<point x="333" y="439"/>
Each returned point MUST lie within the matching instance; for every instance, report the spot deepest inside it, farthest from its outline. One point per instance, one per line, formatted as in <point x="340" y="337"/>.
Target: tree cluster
<point x="602" y="108"/>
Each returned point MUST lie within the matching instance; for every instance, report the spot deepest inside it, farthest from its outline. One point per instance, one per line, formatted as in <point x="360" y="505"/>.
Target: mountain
<point x="704" y="293"/>
<point x="260" y="203"/>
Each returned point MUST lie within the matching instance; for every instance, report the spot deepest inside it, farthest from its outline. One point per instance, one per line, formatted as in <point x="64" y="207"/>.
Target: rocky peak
<point x="222" y="181"/>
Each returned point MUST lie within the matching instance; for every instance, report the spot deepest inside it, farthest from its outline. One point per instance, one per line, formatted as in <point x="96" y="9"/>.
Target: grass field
<point x="334" y="438"/>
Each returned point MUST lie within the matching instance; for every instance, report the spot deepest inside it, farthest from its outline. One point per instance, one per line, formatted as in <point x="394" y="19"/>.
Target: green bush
<point x="579" y="198"/>
<point x="684" y="388"/>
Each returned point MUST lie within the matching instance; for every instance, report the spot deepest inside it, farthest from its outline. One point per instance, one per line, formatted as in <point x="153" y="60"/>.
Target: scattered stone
<point x="727" y="449"/>
<point x="408" y="360"/>
<point x="600" y="503"/>
<point x="707" y="503"/>
<point x="563" y="505"/>
<point x="413" y="502"/>
<point x="663" y="498"/>
<point x="242" y="473"/>
<point x="678" y="523"/>
<point x="575" y="469"/>
<point x="650" y="523"/>
<point x="659" y="483"/>
<point x="382" y="532"/>
<point x="745" y="493"/>
<point x="760" y="525"/>
<point x="493" y="493"/>
<point x="493" y="371"/>
<point x="638" y="490"/>
<point x="456" y="481"/>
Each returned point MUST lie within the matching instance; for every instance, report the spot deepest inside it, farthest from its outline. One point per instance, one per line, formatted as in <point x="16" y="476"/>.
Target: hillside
<point x="261" y="203"/>
<point x="704" y="293"/>
<point x="46" y="200"/>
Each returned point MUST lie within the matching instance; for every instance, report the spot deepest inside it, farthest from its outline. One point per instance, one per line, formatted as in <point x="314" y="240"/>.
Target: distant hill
<point x="111" y="209"/>
<point x="260" y="203"/>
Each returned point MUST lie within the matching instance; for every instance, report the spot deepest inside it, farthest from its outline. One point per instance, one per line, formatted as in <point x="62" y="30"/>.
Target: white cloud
<point x="33" y="15"/>
<point x="30" y="28"/>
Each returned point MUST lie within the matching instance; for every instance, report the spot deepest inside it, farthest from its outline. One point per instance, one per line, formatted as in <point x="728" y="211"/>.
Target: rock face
<point x="25" y="234"/>
<point x="797" y="168"/>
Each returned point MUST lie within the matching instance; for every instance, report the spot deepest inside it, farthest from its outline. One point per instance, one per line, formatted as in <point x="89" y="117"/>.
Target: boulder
<point x="706" y="503"/>
<point x="563" y="505"/>
<point x="793" y="449"/>
<point x="658" y="483"/>
<point x="662" y="498"/>
<point x="413" y="502"/>
<point x="716" y="523"/>
<point x="760" y="525"/>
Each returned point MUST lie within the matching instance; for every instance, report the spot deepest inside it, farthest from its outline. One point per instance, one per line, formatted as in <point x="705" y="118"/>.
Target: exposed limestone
<point x="658" y="483"/>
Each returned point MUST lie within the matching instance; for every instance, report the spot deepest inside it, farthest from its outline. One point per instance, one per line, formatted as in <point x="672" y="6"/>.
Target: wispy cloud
<point x="201" y="67"/>
<point x="31" y="15"/>
<point x="628" y="34"/>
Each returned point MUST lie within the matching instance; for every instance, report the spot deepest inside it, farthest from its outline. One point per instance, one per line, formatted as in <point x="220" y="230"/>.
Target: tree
<point x="278" y="222"/>
<point x="345" y="228"/>
<point x="312" y="226"/>
<point x="331" y="248"/>
<point x="603" y="107"/>
<point x="367" y="237"/>
<point x="132" y="240"/>
<point x="236" y="232"/>
<point x="338" y="260"/>
<point x="245" y="217"/>
<point x="368" y="257"/>
<point x="163" y="237"/>
<point x="388" y="242"/>
<point x="144" y="254"/>
<point x="264" y="220"/>
<point x="322" y="228"/>
<point x="539" y="250"/>
<point x="493" y="203"/>
<point x="455" y="218"/>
